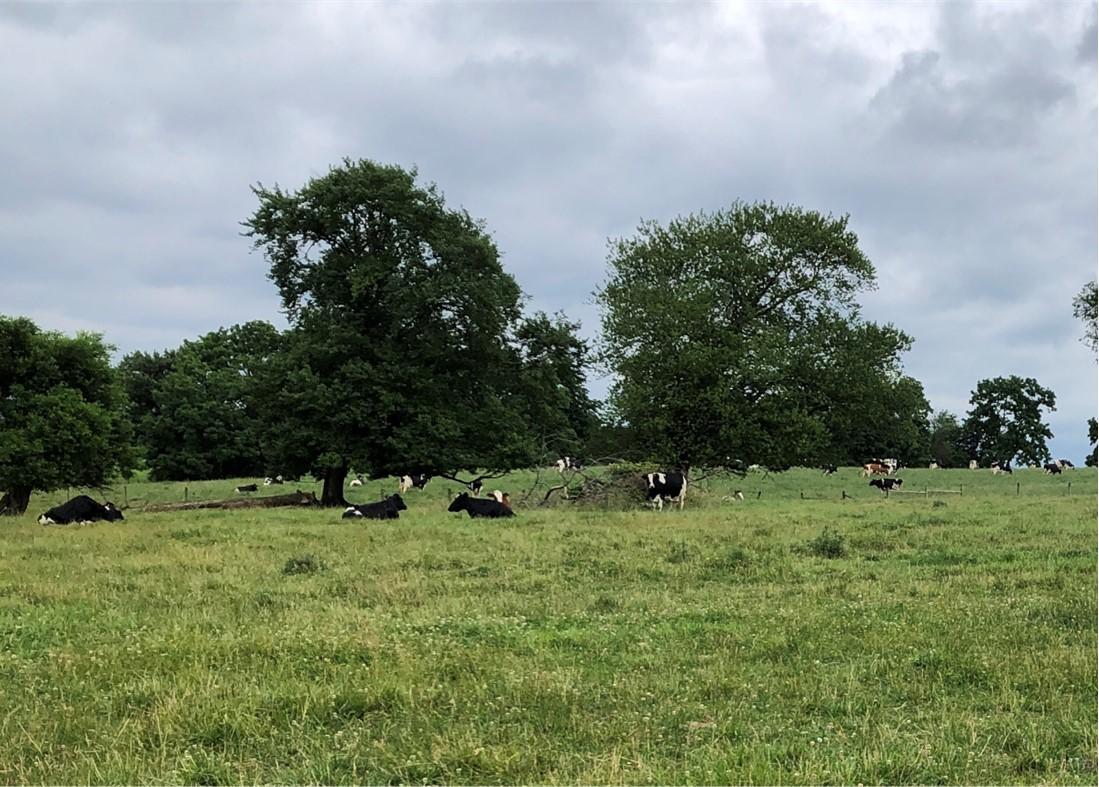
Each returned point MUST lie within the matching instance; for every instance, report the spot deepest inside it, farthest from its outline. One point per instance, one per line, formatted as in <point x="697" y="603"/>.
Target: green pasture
<point x="794" y="637"/>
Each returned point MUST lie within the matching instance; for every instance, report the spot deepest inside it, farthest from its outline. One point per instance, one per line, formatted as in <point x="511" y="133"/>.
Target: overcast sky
<point x="960" y="138"/>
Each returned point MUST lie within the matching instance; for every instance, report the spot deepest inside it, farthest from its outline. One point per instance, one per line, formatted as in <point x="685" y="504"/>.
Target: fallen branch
<point x="297" y="498"/>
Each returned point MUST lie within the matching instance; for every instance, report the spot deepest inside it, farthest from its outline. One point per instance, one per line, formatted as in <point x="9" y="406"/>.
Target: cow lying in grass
<point x="476" y="507"/>
<point x="80" y="509"/>
<point x="383" y="509"/>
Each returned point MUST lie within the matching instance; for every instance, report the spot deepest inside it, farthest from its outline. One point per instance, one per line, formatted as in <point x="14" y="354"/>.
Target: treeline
<point x="735" y="338"/>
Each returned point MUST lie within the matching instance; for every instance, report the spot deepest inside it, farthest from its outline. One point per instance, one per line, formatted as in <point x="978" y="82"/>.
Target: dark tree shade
<point x="62" y="414"/>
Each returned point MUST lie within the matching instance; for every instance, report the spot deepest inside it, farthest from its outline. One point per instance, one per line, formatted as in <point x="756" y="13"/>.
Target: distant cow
<point x="476" y="507"/>
<point x="887" y="484"/>
<point x="383" y="509"/>
<point x="356" y="481"/>
<point x="501" y="497"/>
<point x="272" y="481"/>
<point x="875" y="468"/>
<point x="1065" y="464"/>
<point x="1052" y="468"/>
<point x="670" y="486"/>
<point x="972" y="464"/>
<point x="475" y="486"/>
<point x="247" y="488"/>
<point x="409" y="480"/>
<point x="80" y="509"/>
<point x="567" y="463"/>
<point x="829" y="469"/>
<point x="1001" y="467"/>
<point x="933" y="466"/>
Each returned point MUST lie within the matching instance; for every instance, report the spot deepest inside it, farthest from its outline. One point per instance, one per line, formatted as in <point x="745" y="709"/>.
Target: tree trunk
<point x="15" y="502"/>
<point x="332" y="495"/>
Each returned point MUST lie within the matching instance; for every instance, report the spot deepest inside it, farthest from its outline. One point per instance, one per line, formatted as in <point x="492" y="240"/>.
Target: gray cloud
<point x="959" y="137"/>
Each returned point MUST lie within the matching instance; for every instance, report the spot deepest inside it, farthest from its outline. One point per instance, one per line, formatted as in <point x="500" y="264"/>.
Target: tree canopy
<point x="62" y="413"/>
<point x="1085" y="307"/>
<point x="735" y="336"/>
<point x="945" y="440"/>
<point x="403" y="352"/>
<point x="194" y="407"/>
<point x="1004" y="422"/>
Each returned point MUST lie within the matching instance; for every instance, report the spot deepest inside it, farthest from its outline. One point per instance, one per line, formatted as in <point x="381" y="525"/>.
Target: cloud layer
<point x="960" y="138"/>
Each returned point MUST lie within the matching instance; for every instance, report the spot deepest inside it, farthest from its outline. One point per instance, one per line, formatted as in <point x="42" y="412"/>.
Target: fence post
<point x="1069" y="490"/>
<point x="759" y="494"/>
<point x="843" y="493"/>
<point x="125" y="497"/>
<point x="960" y="488"/>
<point x="184" y="494"/>
<point x="1016" y="488"/>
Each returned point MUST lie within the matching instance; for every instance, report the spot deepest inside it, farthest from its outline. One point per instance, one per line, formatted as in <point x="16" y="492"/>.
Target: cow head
<point x="397" y="503"/>
<point x="113" y="514"/>
<point x="460" y="503"/>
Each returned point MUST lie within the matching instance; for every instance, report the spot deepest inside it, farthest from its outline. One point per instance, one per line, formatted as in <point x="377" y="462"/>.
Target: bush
<point x="303" y="564"/>
<point x="830" y="543"/>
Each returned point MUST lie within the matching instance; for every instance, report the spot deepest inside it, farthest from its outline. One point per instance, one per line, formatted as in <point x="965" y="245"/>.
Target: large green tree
<point x="400" y="355"/>
<point x="1004" y="422"/>
<point x="62" y="415"/>
<point x="194" y="406"/>
<point x="1093" y="437"/>
<point x="735" y="336"/>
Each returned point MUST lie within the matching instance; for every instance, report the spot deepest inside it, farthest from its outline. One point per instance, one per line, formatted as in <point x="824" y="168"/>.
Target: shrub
<point x="830" y="543"/>
<point x="303" y="564"/>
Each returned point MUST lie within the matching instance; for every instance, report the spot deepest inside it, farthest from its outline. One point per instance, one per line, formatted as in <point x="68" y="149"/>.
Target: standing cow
<point x="670" y="486"/>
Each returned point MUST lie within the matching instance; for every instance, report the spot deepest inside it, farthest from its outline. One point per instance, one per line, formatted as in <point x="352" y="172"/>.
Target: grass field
<point x="944" y="638"/>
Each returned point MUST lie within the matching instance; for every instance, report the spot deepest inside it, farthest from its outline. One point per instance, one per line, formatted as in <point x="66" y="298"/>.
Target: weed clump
<point x="303" y="564"/>
<point x="830" y="543"/>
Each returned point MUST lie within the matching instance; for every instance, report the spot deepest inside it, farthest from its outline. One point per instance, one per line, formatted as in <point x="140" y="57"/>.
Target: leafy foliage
<point x="62" y="416"/>
<point x="1093" y="437"/>
<point x="946" y="439"/>
<point x="402" y="355"/>
<point x="194" y="406"/>
<point x="1004" y="422"/>
<point x="736" y="336"/>
<point x="1085" y="307"/>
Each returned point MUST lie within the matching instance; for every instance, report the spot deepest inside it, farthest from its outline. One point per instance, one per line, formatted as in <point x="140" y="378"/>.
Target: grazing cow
<point x="80" y="509"/>
<point x="567" y="463"/>
<point x="666" y="486"/>
<point x="272" y="481"/>
<point x="247" y="488"/>
<point x="887" y="484"/>
<point x="1001" y="467"/>
<point x="1065" y="464"/>
<point x="829" y="469"/>
<point x="476" y="507"/>
<point x="383" y="509"/>
<point x="972" y="464"/>
<point x="409" y="480"/>
<point x="874" y="468"/>
<point x="1052" y="468"/>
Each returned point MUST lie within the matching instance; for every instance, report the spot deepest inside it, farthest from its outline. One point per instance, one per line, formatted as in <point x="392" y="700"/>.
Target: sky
<point x="960" y="139"/>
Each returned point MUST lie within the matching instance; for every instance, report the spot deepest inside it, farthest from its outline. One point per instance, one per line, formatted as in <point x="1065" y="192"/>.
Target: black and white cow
<point x="409" y="480"/>
<point x="670" y="486"/>
<point x="1065" y="464"/>
<point x="829" y="469"/>
<point x="887" y="484"/>
<point x="246" y="489"/>
<point x="1001" y="467"/>
<point x="383" y="509"/>
<point x="272" y="481"/>
<point x="356" y="481"/>
<point x="1052" y="468"/>
<point x="475" y="486"/>
<point x="476" y="507"/>
<point x="80" y="509"/>
<point x="567" y="463"/>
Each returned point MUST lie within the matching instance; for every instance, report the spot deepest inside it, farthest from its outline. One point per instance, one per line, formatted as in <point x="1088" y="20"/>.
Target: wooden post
<point x="843" y="493"/>
<point x="125" y="497"/>
<point x="184" y="494"/>
<point x="759" y="494"/>
<point x="1016" y="488"/>
<point x="1069" y="490"/>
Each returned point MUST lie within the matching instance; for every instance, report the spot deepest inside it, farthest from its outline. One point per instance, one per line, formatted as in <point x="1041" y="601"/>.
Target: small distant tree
<point x="1085" y="307"/>
<point x="62" y="414"/>
<point x="1004" y="422"/>
<point x="1093" y="437"/>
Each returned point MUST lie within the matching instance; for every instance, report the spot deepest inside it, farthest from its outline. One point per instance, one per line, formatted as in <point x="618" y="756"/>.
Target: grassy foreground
<point x="914" y="639"/>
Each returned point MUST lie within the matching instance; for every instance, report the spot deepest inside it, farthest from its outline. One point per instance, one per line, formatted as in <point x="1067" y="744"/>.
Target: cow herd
<point x="668" y="486"/>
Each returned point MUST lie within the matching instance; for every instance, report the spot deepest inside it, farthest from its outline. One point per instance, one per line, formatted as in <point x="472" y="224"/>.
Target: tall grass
<point x="775" y="640"/>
